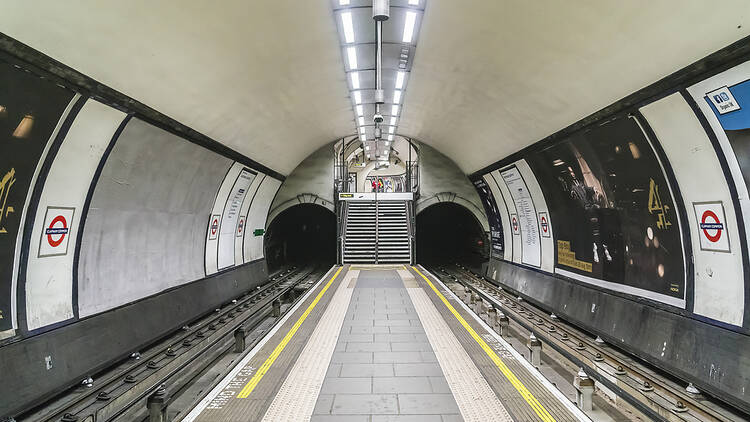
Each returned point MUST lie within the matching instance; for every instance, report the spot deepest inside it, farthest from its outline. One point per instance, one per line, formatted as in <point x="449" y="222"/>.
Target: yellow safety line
<point x="250" y="386"/>
<point x="525" y="393"/>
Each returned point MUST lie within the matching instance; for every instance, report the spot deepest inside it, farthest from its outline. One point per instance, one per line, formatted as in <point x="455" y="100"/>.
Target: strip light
<point x="351" y="52"/>
<point x="394" y="110"/>
<point x="355" y="80"/>
<point x="393" y="121"/>
<point x="390" y="137"/>
<point x="396" y="97"/>
<point x="391" y="129"/>
<point x="346" y="22"/>
<point x="346" y="2"/>
<point x="361" y="121"/>
<point x="400" y="80"/>
<point x="360" y="110"/>
<point x="411" y="19"/>
<point x="357" y="97"/>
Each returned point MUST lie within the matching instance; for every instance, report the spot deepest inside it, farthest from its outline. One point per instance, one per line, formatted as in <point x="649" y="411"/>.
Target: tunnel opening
<point x="448" y="232"/>
<point x="302" y="235"/>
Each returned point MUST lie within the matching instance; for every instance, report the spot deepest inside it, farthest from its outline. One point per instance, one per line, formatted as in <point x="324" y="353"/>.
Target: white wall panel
<point x="511" y="206"/>
<point x="240" y="239"/>
<point x="212" y="239"/>
<point x="256" y="218"/>
<point x="230" y="218"/>
<point x="49" y="279"/>
<point x="547" y="237"/>
<point x="719" y="280"/>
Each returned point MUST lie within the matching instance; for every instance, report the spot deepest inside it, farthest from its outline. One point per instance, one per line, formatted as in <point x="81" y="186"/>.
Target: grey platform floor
<point x="383" y="367"/>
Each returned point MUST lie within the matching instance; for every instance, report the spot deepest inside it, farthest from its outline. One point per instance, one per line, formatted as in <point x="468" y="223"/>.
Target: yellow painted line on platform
<point x="250" y="386"/>
<point x="517" y="384"/>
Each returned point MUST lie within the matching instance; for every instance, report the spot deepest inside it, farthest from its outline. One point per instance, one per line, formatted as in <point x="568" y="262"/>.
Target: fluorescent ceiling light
<point x="345" y="2"/>
<point x="400" y="80"/>
<point x="361" y="121"/>
<point x="391" y="129"/>
<point x="393" y="121"/>
<point x="360" y="110"/>
<point x="346" y="22"/>
<point x="362" y="130"/>
<point x="390" y="137"/>
<point x="363" y="138"/>
<point x="357" y="97"/>
<point x="355" y="80"/>
<point x="412" y="2"/>
<point x="394" y="110"/>
<point x="367" y="148"/>
<point x="397" y="97"/>
<point x="411" y="19"/>
<point x="351" y="52"/>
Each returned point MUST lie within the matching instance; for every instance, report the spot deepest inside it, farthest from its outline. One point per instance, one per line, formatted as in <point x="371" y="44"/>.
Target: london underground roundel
<point x="712" y="228"/>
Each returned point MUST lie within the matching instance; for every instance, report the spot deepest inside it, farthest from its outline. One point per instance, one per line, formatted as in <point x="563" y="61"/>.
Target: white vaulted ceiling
<point x="267" y="77"/>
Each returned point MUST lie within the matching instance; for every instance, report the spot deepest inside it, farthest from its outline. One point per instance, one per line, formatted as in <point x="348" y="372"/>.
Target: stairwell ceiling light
<point x="391" y="129"/>
<point x="411" y="19"/>
<point x="361" y="121"/>
<point x="396" y="97"/>
<point x="363" y="137"/>
<point x="362" y="130"/>
<point x="411" y="2"/>
<point x="346" y="22"/>
<point x="355" y="80"/>
<point x="394" y="110"/>
<point x="346" y="2"/>
<point x="351" y="53"/>
<point x="390" y="137"/>
<point x="400" y="80"/>
<point x="360" y="110"/>
<point x="393" y="121"/>
<point x="357" y="97"/>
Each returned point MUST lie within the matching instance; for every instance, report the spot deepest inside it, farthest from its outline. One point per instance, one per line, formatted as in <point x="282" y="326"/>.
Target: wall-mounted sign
<point x="723" y="100"/>
<point x="712" y="228"/>
<point x="544" y="224"/>
<point x="514" y="224"/>
<point x="213" y="227"/>
<point x="241" y="226"/>
<point x="259" y="232"/>
<point x="56" y="231"/>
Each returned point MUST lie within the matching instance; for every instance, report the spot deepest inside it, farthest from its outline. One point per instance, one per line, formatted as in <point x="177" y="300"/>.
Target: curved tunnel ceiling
<point x="266" y="79"/>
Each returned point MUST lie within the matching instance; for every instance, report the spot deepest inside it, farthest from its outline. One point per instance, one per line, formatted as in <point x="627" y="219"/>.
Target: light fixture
<point x="346" y="22"/>
<point x="390" y="137"/>
<point x="362" y="130"/>
<point x="360" y="110"/>
<point x="3" y="111"/>
<point x="400" y="80"/>
<point x="23" y="128"/>
<point x="411" y="2"/>
<point x="393" y="120"/>
<point x="396" y="97"/>
<point x="367" y="148"/>
<point x="355" y="80"/>
<point x="411" y="19"/>
<point x="394" y="110"/>
<point x="361" y="121"/>
<point x="351" y="52"/>
<point x="357" y="97"/>
<point x="391" y="129"/>
<point x="346" y="2"/>
<point x="363" y="137"/>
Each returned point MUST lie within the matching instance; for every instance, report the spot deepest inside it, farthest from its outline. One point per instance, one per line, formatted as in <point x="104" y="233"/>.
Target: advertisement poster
<point x="527" y="225"/>
<point x="493" y="217"/>
<point x="30" y="108"/>
<point x="615" y="220"/>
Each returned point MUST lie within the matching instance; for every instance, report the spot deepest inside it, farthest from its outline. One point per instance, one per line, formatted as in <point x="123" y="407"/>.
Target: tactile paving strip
<point x="474" y="397"/>
<point x="296" y="398"/>
<point x="524" y="396"/>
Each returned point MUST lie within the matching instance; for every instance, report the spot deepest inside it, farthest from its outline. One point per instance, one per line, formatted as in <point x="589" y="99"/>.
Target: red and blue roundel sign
<point x="712" y="227"/>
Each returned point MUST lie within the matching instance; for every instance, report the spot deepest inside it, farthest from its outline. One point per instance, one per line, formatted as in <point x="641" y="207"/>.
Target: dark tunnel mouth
<point x="448" y="232"/>
<point x="301" y="235"/>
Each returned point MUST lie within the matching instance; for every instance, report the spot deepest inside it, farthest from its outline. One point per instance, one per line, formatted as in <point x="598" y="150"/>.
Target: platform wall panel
<point x="147" y="220"/>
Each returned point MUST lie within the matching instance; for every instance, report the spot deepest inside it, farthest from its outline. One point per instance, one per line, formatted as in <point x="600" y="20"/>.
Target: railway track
<point x="617" y="374"/>
<point x="123" y="391"/>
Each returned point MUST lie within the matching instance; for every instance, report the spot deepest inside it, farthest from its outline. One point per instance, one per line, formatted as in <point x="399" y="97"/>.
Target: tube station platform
<point x="383" y="343"/>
